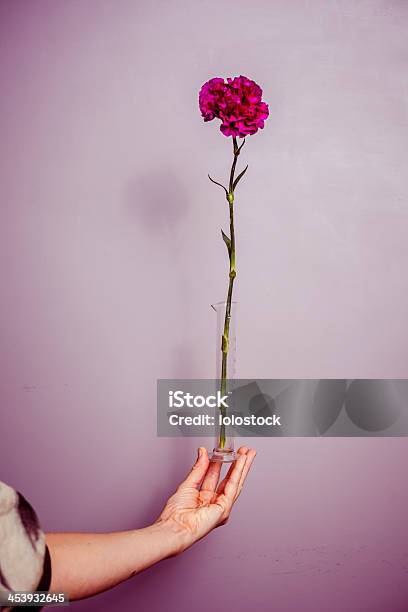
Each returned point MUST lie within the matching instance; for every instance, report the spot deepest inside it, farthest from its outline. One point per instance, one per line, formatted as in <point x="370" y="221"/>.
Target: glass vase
<point x="225" y="373"/>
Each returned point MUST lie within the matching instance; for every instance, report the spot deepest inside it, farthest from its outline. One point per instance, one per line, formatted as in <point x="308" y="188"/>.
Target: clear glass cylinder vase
<point x="225" y="373"/>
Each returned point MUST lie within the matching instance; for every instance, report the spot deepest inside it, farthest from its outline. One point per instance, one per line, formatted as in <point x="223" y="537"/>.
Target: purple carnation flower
<point x="237" y="102"/>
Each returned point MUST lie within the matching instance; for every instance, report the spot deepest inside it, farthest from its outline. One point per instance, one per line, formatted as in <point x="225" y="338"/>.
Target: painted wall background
<point x="110" y="255"/>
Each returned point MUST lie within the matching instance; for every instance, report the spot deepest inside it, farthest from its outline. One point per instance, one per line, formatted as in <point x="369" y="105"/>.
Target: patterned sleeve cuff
<point x="25" y="563"/>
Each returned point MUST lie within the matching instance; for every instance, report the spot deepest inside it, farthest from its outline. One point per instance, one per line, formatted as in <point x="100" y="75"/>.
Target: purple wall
<point x="110" y="254"/>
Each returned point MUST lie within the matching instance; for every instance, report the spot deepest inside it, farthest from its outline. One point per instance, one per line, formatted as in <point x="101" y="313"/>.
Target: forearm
<point x="84" y="564"/>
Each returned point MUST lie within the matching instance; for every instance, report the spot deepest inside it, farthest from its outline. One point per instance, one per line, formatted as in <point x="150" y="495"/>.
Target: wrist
<point x="173" y="536"/>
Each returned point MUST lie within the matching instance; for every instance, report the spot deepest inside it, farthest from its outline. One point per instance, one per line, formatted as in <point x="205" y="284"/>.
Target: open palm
<point x="200" y="503"/>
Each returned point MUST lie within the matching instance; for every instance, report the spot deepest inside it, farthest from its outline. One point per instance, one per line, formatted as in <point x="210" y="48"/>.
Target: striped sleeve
<point x="24" y="558"/>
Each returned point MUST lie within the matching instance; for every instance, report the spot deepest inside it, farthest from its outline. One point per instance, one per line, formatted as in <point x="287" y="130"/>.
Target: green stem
<point x="232" y="275"/>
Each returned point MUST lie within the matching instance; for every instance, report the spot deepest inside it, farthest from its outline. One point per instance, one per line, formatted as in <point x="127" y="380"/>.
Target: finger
<point x="198" y="471"/>
<point x="224" y="522"/>
<point x="231" y="485"/>
<point x="241" y="451"/>
<point x="213" y="473"/>
<point x="212" y="476"/>
<point x="249" y="461"/>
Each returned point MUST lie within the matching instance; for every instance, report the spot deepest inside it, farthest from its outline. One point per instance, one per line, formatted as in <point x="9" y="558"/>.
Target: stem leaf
<point x="219" y="185"/>
<point x="227" y="242"/>
<point x="239" y="177"/>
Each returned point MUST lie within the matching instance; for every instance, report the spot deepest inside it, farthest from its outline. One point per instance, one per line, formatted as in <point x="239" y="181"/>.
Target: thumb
<point x="198" y="471"/>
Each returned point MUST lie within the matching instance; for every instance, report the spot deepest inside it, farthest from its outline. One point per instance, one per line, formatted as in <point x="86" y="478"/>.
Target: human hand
<point x="200" y="503"/>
